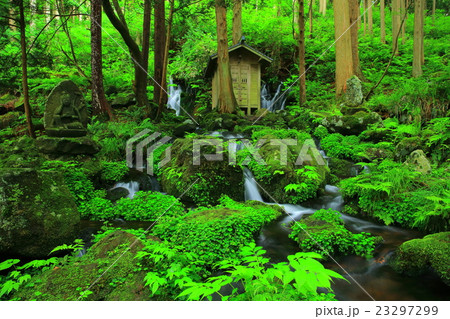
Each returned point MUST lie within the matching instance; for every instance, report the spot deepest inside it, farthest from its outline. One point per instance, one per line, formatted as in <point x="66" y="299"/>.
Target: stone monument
<point x="65" y="112"/>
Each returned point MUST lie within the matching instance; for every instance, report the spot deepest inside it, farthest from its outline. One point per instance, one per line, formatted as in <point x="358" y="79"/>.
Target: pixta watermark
<point x="140" y="151"/>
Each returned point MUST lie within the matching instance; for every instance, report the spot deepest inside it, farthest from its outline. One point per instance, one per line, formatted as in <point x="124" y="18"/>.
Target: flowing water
<point x="174" y="97"/>
<point x="275" y="102"/>
<point x="374" y="275"/>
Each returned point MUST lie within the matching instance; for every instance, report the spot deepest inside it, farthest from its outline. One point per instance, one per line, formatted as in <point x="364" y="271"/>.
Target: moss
<point x="110" y="261"/>
<point x="418" y="255"/>
<point x="406" y="146"/>
<point x="204" y="183"/>
<point x="37" y="213"/>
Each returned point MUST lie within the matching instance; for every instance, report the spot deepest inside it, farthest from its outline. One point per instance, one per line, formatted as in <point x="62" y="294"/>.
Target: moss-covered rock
<point x="350" y="124"/>
<point x="20" y="152"/>
<point x="110" y="264"/>
<point x="304" y="167"/>
<point x="201" y="181"/>
<point x="218" y="232"/>
<point x="67" y="145"/>
<point x="418" y="255"/>
<point x="37" y="212"/>
<point x="419" y="161"/>
<point x="343" y="168"/>
<point x="406" y="146"/>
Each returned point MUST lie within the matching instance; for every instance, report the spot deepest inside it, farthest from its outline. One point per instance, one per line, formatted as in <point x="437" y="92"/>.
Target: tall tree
<point x="418" y="37"/>
<point x="227" y="101"/>
<point x="146" y="33"/>
<point x="370" y="17"/>
<point x="382" y="23"/>
<point x="354" y="15"/>
<point x="395" y="13"/>
<point x="23" y="49"/>
<point x="323" y="7"/>
<point x="99" y="103"/>
<point x="301" y="50"/>
<point x="160" y="88"/>
<point x="344" y="59"/>
<point x="162" y="102"/>
<point x="140" y="74"/>
<point x="310" y="15"/>
<point x="237" y="21"/>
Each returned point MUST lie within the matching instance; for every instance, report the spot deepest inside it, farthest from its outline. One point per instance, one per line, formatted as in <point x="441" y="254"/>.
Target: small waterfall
<point x="251" y="188"/>
<point x="276" y="102"/>
<point x="174" y="97"/>
<point x="131" y="187"/>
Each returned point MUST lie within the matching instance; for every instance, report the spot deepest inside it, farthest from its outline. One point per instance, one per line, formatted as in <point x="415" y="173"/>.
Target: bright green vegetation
<point x="324" y="232"/>
<point x="217" y="232"/>
<point x="415" y="256"/>
<point x="202" y="244"/>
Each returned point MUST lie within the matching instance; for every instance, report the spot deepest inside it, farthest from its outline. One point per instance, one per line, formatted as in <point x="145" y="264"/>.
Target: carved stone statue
<point x="65" y="112"/>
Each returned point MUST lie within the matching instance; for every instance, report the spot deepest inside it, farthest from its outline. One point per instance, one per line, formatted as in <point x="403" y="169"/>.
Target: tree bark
<point x="301" y="51"/>
<point x="402" y="13"/>
<point x="370" y="17"/>
<point x="418" y="38"/>
<point x="344" y="59"/>
<point x="160" y="88"/>
<point x="140" y="75"/>
<point x="162" y="104"/>
<point x="227" y="101"/>
<point x="433" y="10"/>
<point x="354" y="15"/>
<point x="99" y="103"/>
<point x="395" y="24"/>
<point x="382" y="23"/>
<point x="237" y="21"/>
<point x="310" y="14"/>
<point x="323" y="7"/>
<point x="295" y="19"/>
<point x="146" y="33"/>
<point x="23" y="49"/>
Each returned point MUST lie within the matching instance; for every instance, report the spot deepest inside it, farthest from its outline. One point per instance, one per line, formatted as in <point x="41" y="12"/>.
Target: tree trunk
<point x="146" y="33"/>
<point x="23" y="49"/>
<point x="99" y="103"/>
<point x="160" y="87"/>
<point x="310" y="14"/>
<point x="418" y="38"/>
<point x="301" y="51"/>
<point x="354" y="15"/>
<point x="162" y="104"/>
<point x="365" y="15"/>
<point x="382" y="23"/>
<point x="237" y="21"/>
<point x="323" y="7"/>
<point x="403" y="13"/>
<point x="370" y="17"/>
<point x="344" y="59"/>
<point x="395" y="24"/>
<point x="140" y="75"/>
<point x="433" y="10"/>
<point x="295" y="19"/>
<point x="227" y="101"/>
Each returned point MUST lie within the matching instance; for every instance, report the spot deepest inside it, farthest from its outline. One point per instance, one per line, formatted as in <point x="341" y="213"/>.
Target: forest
<point x="226" y="150"/>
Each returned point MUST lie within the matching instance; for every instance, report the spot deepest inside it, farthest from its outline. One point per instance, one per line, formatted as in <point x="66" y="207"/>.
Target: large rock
<point x="203" y="183"/>
<point x="7" y="119"/>
<point x="123" y="101"/>
<point x="406" y="146"/>
<point x="350" y="124"/>
<point x="122" y="280"/>
<point x="187" y="126"/>
<point x="37" y="212"/>
<point x="67" y="145"/>
<point x="419" y="255"/>
<point x="419" y="161"/>
<point x="353" y="94"/>
<point x="65" y="112"/>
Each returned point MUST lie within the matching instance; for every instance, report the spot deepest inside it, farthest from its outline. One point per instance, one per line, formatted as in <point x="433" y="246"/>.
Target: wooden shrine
<point x="245" y="64"/>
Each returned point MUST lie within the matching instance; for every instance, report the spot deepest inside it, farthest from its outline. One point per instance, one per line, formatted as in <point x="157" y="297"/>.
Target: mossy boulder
<point x="110" y="263"/>
<point x="67" y="145"/>
<point x="350" y="124"/>
<point x="304" y="167"/>
<point x="181" y="129"/>
<point x="218" y="232"/>
<point x="419" y="255"/>
<point x="200" y="180"/>
<point x="21" y="153"/>
<point x="419" y="161"/>
<point x="406" y="146"/>
<point x="353" y="95"/>
<point x="7" y="119"/>
<point x="37" y="212"/>
<point x="343" y="168"/>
